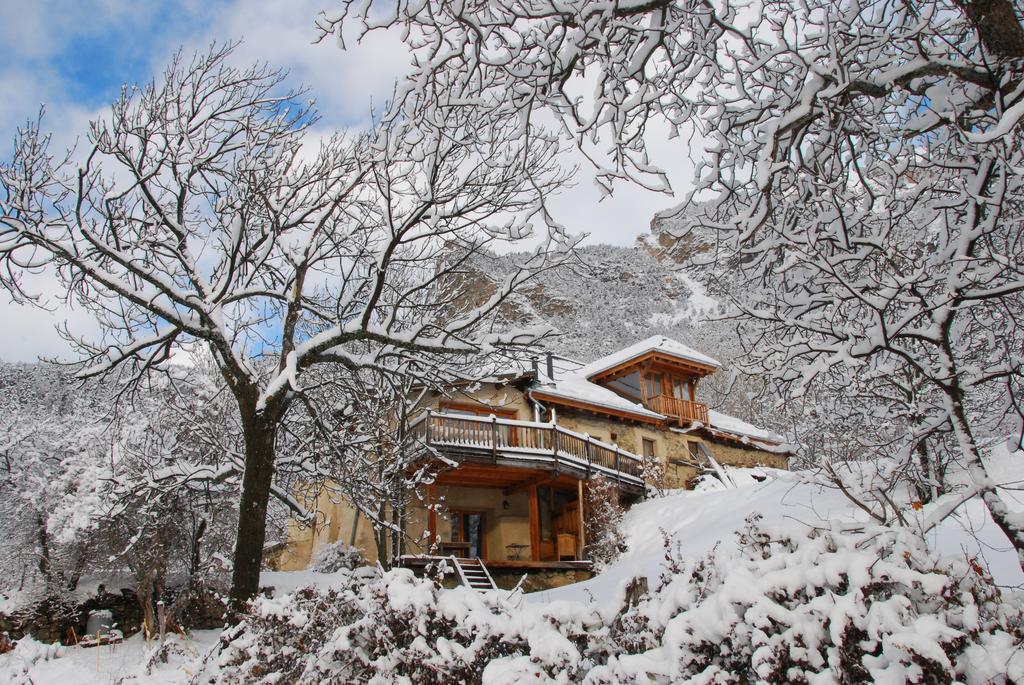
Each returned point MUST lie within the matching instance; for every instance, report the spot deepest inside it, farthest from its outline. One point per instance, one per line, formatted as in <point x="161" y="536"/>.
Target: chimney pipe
<point x="536" y="367"/>
<point x="551" y="366"/>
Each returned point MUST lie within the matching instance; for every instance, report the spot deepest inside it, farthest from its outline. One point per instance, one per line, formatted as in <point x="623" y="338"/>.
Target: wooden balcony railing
<point x="529" y="441"/>
<point x="684" y="410"/>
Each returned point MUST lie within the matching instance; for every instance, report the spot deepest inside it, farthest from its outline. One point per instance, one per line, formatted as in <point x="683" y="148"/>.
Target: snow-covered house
<point x="517" y="452"/>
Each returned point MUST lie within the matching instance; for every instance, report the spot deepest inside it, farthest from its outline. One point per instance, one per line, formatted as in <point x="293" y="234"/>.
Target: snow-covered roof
<point x="656" y="343"/>
<point x="730" y="424"/>
<point x="574" y="386"/>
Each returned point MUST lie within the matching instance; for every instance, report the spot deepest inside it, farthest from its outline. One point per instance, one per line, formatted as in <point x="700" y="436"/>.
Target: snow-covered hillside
<point x="613" y="297"/>
<point x="699" y="521"/>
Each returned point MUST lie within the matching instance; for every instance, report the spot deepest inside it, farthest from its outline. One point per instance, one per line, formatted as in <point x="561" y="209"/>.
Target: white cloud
<point x="618" y="219"/>
<point x="343" y="83"/>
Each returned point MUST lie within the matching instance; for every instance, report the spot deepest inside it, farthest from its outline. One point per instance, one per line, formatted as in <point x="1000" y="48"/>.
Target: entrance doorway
<point x="468" y="534"/>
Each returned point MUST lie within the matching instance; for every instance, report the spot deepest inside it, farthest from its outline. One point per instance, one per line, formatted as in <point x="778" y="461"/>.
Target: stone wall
<point x="670" y="445"/>
<point x="537" y="580"/>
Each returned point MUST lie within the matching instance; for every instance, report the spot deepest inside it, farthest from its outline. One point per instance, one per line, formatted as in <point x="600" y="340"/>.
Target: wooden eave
<point x="510" y="479"/>
<point x="742" y="441"/>
<point x="516" y="379"/>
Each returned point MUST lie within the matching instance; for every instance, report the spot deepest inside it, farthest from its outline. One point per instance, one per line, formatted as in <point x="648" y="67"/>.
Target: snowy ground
<point x="697" y="521"/>
<point x="41" y="664"/>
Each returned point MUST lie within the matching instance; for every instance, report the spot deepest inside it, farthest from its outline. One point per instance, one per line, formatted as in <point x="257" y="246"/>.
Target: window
<point x="649" y="449"/>
<point x="680" y="391"/>
<point x="694" y="449"/>
<point x="654" y="384"/>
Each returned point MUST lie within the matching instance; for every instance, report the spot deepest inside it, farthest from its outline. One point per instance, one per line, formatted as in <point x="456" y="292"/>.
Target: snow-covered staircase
<point x="474" y="574"/>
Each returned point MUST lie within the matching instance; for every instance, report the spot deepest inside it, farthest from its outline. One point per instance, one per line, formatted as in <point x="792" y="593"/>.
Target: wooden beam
<point x="539" y="479"/>
<point x="432" y="514"/>
<point x="479" y="409"/>
<point x="582" y="540"/>
<point x="618" y="372"/>
<point x="534" y="524"/>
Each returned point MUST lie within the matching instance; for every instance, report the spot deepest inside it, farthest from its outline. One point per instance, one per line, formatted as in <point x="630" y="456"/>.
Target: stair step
<point x="474" y="574"/>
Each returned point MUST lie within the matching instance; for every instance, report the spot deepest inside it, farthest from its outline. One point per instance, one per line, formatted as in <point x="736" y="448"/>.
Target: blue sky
<point x="73" y="57"/>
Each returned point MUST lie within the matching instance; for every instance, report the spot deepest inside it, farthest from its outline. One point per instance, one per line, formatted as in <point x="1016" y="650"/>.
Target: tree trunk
<point x="44" y="554"/>
<point x="197" y="544"/>
<point x="355" y="529"/>
<point x="144" y="592"/>
<point x="380" y="537"/>
<point x="926" y="486"/>
<point x="260" y="434"/>
<point x="998" y="27"/>
<point x="396" y="528"/>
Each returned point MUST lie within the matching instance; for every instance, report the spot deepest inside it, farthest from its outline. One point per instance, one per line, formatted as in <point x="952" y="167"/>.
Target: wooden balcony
<point x="681" y="410"/>
<point x="527" y="444"/>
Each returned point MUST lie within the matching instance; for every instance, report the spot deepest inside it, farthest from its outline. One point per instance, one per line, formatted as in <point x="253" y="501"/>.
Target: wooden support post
<point x="431" y="515"/>
<point x="428" y="431"/>
<point x="494" y="438"/>
<point x="618" y="474"/>
<point x="555" y="452"/>
<point x="583" y="533"/>
<point x="534" y="524"/>
<point x="587" y="451"/>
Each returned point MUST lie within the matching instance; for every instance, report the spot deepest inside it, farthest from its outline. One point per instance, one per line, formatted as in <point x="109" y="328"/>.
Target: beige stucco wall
<point x="502" y="526"/>
<point x="334" y="523"/>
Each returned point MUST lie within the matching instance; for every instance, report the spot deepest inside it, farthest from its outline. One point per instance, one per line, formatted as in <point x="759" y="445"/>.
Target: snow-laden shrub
<point x="728" y="477"/>
<point x="800" y="605"/>
<point x="337" y="556"/>
<point x="280" y="639"/>
<point x="395" y="629"/>
<point x="792" y="605"/>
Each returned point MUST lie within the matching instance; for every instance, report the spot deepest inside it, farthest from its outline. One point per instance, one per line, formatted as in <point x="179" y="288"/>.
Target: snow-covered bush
<point x="726" y="477"/>
<point x="792" y="605"/>
<point x="337" y="556"/>
<point x="395" y="628"/>
<point x="800" y="606"/>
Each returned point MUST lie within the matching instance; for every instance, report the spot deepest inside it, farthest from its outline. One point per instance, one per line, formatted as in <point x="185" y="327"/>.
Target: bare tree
<point x="168" y="509"/>
<point x="860" y="174"/>
<point x="52" y="448"/>
<point x="203" y="214"/>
